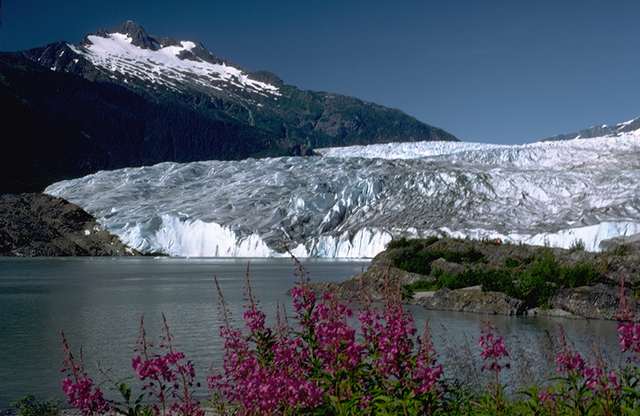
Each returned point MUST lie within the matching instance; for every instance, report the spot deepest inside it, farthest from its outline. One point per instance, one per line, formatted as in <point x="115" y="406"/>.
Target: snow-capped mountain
<point x="599" y="131"/>
<point x="351" y="201"/>
<point x="122" y="97"/>
<point x="129" y="55"/>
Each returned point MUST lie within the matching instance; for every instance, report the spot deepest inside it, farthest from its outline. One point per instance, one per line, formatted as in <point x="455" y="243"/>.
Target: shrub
<point x="580" y="274"/>
<point x="577" y="245"/>
<point x="511" y="262"/>
<point x="422" y="286"/>
<point x="30" y="406"/>
<point x="620" y="250"/>
<point x="533" y="280"/>
<point x="417" y="256"/>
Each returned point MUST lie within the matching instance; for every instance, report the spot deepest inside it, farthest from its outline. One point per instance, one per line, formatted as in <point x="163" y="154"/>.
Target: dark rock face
<point x="76" y="117"/>
<point x="42" y="225"/>
<point x="472" y="300"/>
<point x="371" y="283"/>
<point x="594" y="302"/>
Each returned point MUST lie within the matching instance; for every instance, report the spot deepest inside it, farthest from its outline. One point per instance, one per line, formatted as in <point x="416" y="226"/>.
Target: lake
<point x="98" y="303"/>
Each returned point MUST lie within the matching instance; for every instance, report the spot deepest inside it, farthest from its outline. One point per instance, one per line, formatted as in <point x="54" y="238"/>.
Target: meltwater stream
<point x="98" y="303"/>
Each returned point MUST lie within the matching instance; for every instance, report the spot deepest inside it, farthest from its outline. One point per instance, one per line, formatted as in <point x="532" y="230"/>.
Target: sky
<point x="494" y="71"/>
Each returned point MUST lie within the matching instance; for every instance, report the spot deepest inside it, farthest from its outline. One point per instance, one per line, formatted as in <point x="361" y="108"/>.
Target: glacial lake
<point x="98" y="303"/>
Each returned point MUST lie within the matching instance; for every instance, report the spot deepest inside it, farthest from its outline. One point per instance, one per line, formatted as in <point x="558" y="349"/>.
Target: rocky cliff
<point x="42" y="225"/>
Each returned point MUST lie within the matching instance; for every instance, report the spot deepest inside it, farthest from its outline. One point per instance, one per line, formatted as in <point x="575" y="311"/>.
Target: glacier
<point x="351" y="201"/>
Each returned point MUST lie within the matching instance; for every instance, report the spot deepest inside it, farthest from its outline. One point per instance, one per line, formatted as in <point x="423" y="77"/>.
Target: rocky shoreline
<point x="33" y="225"/>
<point x="462" y="275"/>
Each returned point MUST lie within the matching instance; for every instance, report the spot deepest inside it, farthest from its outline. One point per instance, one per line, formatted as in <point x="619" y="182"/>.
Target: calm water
<point x="98" y="303"/>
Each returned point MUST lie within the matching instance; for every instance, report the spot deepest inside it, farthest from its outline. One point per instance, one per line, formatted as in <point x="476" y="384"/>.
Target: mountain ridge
<point x="122" y="105"/>
<point x="598" y="131"/>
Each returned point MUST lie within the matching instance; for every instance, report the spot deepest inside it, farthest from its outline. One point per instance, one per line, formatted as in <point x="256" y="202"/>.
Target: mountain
<point x="123" y="98"/>
<point x="351" y="201"/>
<point x="42" y="225"/>
<point x="599" y="131"/>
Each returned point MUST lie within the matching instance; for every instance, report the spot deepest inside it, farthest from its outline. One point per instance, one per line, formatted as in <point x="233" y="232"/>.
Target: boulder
<point x="473" y="300"/>
<point x="447" y="267"/>
<point x="593" y="302"/>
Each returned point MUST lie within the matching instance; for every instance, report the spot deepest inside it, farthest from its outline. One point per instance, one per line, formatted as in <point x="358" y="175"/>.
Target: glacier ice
<point x="351" y="201"/>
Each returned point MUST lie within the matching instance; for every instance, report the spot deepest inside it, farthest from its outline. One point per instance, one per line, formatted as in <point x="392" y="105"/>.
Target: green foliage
<point x="404" y="242"/>
<point x="580" y="274"/>
<point x="131" y="406"/>
<point x="30" y="406"/>
<point x="511" y="262"/>
<point x="423" y="286"/>
<point x="533" y="280"/>
<point x="620" y="250"/>
<point x="417" y="255"/>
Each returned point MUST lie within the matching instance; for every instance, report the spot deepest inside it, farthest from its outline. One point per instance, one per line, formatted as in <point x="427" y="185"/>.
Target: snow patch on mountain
<point x="170" y="65"/>
<point x="352" y="201"/>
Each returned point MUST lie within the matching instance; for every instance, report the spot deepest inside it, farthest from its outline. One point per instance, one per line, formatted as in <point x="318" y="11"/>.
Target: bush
<point x="30" y="406"/>
<point x="533" y="280"/>
<point x="577" y="245"/>
<point x="422" y="286"/>
<point x="620" y="250"/>
<point x="416" y="256"/>
<point x="511" y="262"/>
<point x="580" y="274"/>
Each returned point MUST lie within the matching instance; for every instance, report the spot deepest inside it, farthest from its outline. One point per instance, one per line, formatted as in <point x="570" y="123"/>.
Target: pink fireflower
<point x="303" y="298"/>
<point x="546" y="396"/>
<point x="388" y="336"/>
<point x="598" y="380"/>
<point x="629" y="336"/>
<point x="628" y="330"/>
<point x="493" y="350"/>
<point x="337" y="346"/>
<point x="267" y="386"/>
<point x="568" y="361"/>
<point x="427" y="372"/>
<point x="166" y="376"/>
<point x="81" y="391"/>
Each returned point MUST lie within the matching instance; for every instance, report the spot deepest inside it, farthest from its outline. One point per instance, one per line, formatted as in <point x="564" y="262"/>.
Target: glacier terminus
<point x="351" y="201"/>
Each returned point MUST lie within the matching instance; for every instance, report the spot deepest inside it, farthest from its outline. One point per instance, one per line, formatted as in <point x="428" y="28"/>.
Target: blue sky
<point x="497" y="71"/>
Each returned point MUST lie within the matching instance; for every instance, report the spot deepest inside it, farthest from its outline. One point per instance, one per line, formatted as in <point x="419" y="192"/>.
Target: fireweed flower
<point x="275" y="382"/>
<point x="493" y="350"/>
<point x="166" y="376"/>
<point x="266" y="388"/>
<point x="628" y="330"/>
<point x="78" y="387"/>
<point x="546" y="397"/>
<point x="568" y="361"/>
<point x="597" y="379"/>
<point x="629" y="336"/>
<point x="427" y="372"/>
<point x="337" y="346"/>
<point x="304" y="299"/>
<point x="394" y="341"/>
